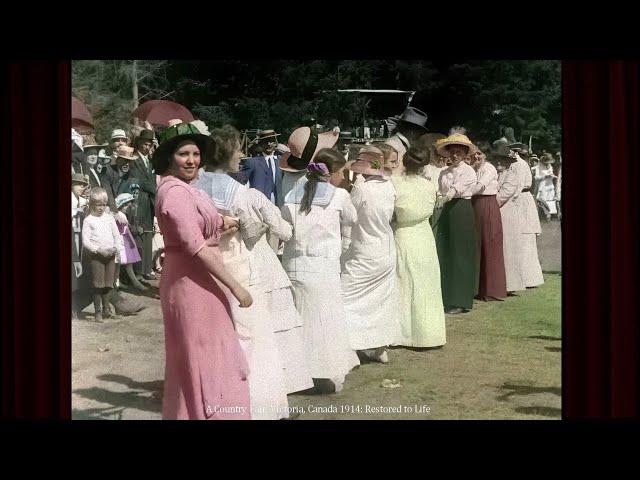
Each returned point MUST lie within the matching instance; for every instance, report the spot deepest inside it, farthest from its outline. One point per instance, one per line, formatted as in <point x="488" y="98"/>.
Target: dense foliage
<point x="483" y="96"/>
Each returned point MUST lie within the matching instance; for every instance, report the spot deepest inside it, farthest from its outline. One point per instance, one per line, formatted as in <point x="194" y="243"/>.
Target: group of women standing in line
<point x="360" y="270"/>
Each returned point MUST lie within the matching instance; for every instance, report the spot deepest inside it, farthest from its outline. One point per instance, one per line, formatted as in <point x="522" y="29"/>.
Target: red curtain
<point x="35" y="337"/>
<point x="600" y="239"/>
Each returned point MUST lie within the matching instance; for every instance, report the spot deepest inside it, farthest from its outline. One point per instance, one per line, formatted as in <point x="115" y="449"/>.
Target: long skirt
<point x="289" y="333"/>
<point x="370" y="295"/>
<point x="319" y="302"/>
<point x="456" y="242"/>
<point x="492" y="281"/>
<point x="512" y="246"/>
<point x="531" y="268"/>
<point x="267" y="383"/>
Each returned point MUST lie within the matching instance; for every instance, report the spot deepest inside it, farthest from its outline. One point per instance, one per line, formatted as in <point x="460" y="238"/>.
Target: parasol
<point x="159" y="112"/>
<point x="80" y="117"/>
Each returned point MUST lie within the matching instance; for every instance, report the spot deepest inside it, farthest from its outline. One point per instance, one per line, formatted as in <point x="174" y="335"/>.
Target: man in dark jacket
<point x="263" y="171"/>
<point x="142" y="171"/>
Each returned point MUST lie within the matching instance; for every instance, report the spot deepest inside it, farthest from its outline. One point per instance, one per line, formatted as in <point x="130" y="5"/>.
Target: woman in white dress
<point x="508" y="187"/>
<point x="255" y="325"/>
<point x="546" y="190"/>
<point x="369" y="283"/>
<point x="320" y="213"/>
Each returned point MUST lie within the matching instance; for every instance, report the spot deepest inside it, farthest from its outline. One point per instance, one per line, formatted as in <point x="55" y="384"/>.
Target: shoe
<point x="454" y="311"/>
<point x="150" y="276"/>
<point x="383" y="357"/>
<point x="98" y="318"/>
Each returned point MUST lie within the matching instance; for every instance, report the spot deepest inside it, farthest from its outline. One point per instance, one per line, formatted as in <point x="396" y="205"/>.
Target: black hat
<point x="145" y="135"/>
<point x="501" y="151"/>
<point x="413" y="116"/>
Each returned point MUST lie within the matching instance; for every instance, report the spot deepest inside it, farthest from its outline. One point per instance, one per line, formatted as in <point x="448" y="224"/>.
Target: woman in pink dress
<point x="206" y="370"/>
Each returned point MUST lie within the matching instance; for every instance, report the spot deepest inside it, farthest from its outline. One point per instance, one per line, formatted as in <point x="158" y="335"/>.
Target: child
<point x="100" y="237"/>
<point x="127" y="247"/>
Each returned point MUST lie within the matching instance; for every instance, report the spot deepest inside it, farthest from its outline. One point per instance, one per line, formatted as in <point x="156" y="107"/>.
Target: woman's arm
<point x="213" y="264"/>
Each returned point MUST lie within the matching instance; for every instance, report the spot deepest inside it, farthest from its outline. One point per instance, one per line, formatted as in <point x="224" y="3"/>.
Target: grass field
<point x="501" y="361"/>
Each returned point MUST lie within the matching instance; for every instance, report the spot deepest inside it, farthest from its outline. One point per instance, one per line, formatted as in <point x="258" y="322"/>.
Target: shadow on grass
<point x="108" y="413"/>
<point x="542" y="411"/>
<point x="138" y="398"/>
<point x="526" y="390"/>
<point x="553" y="349"/>
<point x="545" y="337"/>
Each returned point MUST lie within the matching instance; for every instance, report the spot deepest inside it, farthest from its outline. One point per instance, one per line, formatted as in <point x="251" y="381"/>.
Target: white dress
<point x="508" y="186"/>
<point x="287" y="322"/>
<point x="369" y="283"/>
<point x="546" y="191"/>
<point x="311" y="258"/>
<point x="530" y="226"/>
<point x="254" y="325"/>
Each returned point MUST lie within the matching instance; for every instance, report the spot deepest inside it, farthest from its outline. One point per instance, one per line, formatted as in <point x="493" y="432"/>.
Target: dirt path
<point x="501" y="361"/>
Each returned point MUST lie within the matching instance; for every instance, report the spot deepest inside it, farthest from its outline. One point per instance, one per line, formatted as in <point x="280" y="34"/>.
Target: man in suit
<point x="142" y="171"/>
<point x="262" y="171"/>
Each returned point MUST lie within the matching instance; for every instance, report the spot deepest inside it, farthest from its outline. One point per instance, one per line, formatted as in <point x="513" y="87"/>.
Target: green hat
<point x="171" y="137"/>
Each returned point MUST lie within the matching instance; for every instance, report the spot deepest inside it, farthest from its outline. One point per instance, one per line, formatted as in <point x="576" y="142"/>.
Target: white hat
<point x="76" y="137"/>
<point x="124" y="198"/>
<point x="118" y="133"/>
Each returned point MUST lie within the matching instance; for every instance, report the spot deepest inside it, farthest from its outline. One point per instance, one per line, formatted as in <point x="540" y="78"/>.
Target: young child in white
<point x="100" y="239"/>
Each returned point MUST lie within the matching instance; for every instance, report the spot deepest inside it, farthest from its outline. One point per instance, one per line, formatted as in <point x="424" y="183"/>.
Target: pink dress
<point x="206" y="370"/>
<point x="128" y="249"/>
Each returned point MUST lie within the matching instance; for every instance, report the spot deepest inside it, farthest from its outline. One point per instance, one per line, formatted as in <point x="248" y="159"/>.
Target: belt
<point x="526" y="189"/>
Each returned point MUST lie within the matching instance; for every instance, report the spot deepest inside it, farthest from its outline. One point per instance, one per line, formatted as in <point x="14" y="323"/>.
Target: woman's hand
<point x="242" y="296"/>
<point x="229" y="222"/>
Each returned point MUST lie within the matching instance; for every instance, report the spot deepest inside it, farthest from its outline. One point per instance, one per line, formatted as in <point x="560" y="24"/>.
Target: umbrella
<point x="159" y="112"/>
<point x="80" y="117"/>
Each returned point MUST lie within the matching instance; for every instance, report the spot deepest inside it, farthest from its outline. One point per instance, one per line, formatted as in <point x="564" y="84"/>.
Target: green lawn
<point x="501" y="361"/>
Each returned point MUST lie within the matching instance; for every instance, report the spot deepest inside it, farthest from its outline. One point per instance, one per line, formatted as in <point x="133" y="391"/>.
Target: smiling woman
<point x="202" y="379"/>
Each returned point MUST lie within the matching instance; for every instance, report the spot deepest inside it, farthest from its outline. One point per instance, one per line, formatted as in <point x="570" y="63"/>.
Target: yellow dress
<point x="422" y="317"/>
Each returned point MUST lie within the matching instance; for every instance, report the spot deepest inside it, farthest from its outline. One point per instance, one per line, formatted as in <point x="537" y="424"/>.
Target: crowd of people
<point x="284" y="271"/>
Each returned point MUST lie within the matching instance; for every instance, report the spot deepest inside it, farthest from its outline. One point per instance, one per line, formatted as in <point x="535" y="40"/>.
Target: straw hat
<point x="265" y="134"/>
<point x="303" y="147"/>
<point x="454" y="139"/>
<point x="125" y="152"/>
<point x="370" y="161"/>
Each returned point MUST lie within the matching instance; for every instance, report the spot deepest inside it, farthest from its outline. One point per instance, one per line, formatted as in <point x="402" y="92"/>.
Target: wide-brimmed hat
<point x="501" y="151"/>
<point x="264" y="134"/>
<point x="94" y="146"/>
<point x="533" y="156"/>
<point x="80" y="178"/>
<point x="126" y="153"/>
<point x="370" y="161"/>
<point x="518" y="146"/>
<point x="123" y="199"/>
<point x="303" y="146"/>
<point x="118" y="133"/>
<point x="455" y="139"/>
<point x="172" y="136"/>
<point x="413" y="116"/>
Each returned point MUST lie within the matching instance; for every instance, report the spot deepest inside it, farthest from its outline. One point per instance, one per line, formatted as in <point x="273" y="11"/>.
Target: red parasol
<point x="159" y="112"/>
<point x="80" y="117"/>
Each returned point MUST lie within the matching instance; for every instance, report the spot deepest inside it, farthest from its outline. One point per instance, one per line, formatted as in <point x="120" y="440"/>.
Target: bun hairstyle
<point x="225" y="140"/>
<point x="415" y="160"/>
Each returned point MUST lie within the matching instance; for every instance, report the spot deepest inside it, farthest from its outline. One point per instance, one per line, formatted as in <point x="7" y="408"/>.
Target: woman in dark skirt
<point x="492" y="281"/>
<point x="456" y="234"/>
